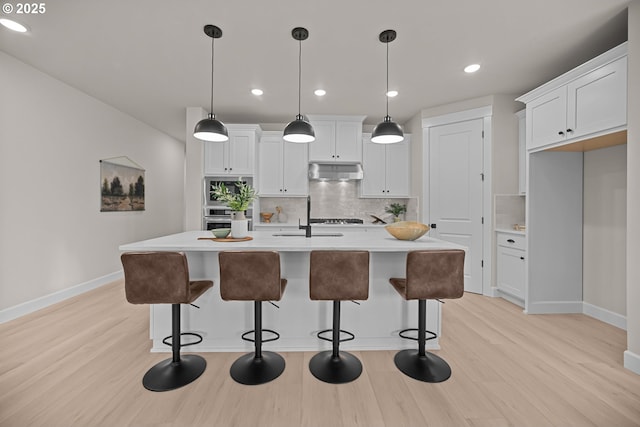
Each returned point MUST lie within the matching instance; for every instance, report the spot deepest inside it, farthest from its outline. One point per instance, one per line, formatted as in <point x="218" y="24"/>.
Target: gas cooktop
<point x="336" y="221"/>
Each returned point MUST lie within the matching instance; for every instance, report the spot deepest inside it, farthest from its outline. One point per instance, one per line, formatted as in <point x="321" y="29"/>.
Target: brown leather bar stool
<point x="431" y="274"/>
<point x="163" y="278"/>
<point x="337" y="276"/>
<point x="253" y="276"/>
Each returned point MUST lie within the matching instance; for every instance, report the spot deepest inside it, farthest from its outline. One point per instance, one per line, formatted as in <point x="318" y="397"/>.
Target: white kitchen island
<point x="375" y="322"/>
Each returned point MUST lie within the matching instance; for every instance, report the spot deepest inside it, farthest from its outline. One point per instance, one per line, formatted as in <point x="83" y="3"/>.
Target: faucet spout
<point x="307" y="228"/>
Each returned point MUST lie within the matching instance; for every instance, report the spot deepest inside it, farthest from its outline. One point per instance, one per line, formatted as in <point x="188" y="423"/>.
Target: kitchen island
<point x="375" y="322"/>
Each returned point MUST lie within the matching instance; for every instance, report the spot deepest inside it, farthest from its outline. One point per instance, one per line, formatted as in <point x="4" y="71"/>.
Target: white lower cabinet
<point x="510" y="264"/>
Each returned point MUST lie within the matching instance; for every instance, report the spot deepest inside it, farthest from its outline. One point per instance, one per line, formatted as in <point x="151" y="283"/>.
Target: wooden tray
<point x="227" y="239"/>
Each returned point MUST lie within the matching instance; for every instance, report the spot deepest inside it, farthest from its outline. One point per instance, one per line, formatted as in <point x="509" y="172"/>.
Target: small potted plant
<point x="396" y="209"/>
<point x="238" y="202"/>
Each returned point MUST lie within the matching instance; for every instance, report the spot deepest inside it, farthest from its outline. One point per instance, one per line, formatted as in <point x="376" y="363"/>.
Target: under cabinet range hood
<point x="335" y="172"/>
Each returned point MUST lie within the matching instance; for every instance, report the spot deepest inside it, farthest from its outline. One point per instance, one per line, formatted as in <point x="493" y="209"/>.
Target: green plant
<point x="396" y="209"/>
<point x="239" y="201"/>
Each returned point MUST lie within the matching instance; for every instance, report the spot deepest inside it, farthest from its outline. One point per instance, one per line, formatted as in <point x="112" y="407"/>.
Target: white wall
<point x="52" y="136"/>
<point x="605" y="226"/>
<point x="632" y="355"/>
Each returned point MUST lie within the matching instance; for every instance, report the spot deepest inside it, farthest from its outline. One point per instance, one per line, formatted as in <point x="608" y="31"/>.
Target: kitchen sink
<point x="312" y="235"/>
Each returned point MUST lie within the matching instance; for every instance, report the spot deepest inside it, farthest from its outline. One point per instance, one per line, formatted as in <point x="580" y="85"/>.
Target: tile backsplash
<point x="335" y="199"/>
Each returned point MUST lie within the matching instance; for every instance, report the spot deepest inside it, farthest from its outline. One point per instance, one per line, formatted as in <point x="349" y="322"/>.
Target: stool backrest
<point x="339" y="275"/>
<point x="435" y="274"/>
<point x="156" y="277"/>
<point x="250" y="276"/>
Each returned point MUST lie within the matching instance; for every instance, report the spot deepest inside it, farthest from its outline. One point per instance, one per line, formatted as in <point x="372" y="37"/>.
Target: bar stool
<point x="337" y="276"/>
<point x="253" y="276"/>
<point x="163" y="278"/>
<point x="431" y="274"/>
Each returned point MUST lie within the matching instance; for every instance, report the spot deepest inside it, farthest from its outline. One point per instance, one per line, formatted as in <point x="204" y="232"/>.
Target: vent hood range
<point x="335" y="172"/>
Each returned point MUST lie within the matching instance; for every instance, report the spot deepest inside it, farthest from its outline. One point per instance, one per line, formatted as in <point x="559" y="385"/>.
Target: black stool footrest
<point x="429" y="335"/>
<point x="277" y="335"/>
<point x="349" y="338"/>
<point x="193" y="334"/>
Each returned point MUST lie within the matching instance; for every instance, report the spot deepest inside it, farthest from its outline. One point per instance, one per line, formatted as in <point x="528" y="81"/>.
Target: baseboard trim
<point x="28" y="307"/>
<point x="554" y="307"/>
<point x="632" y="362"/>
<point x="604" y="315"/>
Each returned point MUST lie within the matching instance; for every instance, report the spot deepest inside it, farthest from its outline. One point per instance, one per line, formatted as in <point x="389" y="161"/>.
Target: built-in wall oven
<point x="215" y="213"/>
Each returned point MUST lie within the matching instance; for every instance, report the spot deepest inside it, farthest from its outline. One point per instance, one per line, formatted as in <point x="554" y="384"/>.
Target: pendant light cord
<point x="386" y="95"/>
<point x="299" y="73"/>
<point x="212" y="52"/>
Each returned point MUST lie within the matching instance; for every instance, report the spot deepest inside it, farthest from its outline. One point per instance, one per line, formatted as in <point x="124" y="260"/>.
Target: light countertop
<point x="373" y="241"/>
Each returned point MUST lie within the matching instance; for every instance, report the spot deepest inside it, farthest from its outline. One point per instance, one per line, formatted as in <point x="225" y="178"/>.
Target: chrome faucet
<point x="306" y="228"/>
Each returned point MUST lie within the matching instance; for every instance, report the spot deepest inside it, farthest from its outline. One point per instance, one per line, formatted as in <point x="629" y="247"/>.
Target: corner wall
<point x="52" y="136"/>
<point x="632" y="355"/>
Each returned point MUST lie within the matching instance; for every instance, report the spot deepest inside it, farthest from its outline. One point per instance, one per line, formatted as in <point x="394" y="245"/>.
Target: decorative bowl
<point x="266" y="216"/>
<point x="221" y="233"/>
<point x="407" y="230"/>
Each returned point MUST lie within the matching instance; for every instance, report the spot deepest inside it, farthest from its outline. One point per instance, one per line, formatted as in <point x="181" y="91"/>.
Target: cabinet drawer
<point x="509" y="240"/>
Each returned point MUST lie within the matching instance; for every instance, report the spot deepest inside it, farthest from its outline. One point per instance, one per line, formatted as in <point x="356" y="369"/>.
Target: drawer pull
<point x="522" y="258"/>
<point x="511" y="241"/>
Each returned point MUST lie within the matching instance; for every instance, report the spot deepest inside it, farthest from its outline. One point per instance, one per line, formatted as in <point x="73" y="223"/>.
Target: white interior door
<point x="455" y="191"/>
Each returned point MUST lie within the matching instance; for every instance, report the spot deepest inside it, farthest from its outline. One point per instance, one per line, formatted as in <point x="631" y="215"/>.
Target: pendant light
<point x="299" y="130"/>
<point x="387" y="131"/>
<point x="211" y="129"/>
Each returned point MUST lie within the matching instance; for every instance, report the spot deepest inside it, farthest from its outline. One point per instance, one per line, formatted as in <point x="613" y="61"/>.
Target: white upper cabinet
<point x="235" y="156"/>
<point x="588" y="101"/>
<point x="386" y="168"/>
<point x="282" y="167"/>
<point x="522" y="152"/>
<point x="338" y="139"/>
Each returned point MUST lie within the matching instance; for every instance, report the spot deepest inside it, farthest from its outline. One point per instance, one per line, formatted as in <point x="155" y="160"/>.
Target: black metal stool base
<point x="252" y="370"/>
<point x="428" y="368"/>
<point x="335" y="370"/>
<point x="168" y="375"/>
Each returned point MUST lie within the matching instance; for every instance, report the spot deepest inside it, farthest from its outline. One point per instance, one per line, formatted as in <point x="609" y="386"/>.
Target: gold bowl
<point x="407" y="230"/>
<point x="266" y="216"/>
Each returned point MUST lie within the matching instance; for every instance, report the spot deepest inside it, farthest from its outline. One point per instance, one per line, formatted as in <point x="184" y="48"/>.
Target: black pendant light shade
<point x="387" y="131"/>
<point x="211" y="129"/>
<point x="299" y="130"/>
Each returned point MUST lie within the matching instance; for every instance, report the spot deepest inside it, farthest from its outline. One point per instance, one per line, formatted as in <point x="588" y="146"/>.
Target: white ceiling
<point x="151" y="59"/>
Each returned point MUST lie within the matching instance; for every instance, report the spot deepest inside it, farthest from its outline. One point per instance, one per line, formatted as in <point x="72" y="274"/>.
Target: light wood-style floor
<point x="80" y="363"/>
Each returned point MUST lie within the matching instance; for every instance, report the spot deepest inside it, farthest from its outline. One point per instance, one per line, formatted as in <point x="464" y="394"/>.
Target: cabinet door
<point x="597" y="101"/>
<point x="397" y="167"/>
<point x="215" y="158"/>
<point x="510" y="274"/>
<point x="295" y="169"/>
<point x="323" y="148"/>
<point x="546" y="119"/>
<point x="241" y="152"/>
<point x="270" y="166"/>
<point x="373" y="183"/>
<point x="348" y="142"/>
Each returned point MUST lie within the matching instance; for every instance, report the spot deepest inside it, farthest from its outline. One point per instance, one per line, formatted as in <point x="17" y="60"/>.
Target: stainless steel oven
<point x="215" y="213"/>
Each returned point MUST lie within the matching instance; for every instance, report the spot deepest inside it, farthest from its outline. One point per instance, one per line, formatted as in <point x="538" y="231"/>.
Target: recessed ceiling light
<point x="13" y="25"/>
<point x="471" y="68"/>
<point x="392" y="93"/>
<point x="257" y="92"/>
<point x="320" y="92"/>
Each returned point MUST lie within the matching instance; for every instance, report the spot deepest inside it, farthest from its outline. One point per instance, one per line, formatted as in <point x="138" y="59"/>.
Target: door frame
<point x="483" y="113"/>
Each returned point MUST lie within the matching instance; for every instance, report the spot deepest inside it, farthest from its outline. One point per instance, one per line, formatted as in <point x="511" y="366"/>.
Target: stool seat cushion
<point x="339" y="275"/>
<point x="159" y="278"/>
<point x="250" y="276"/>
<point x="432" y="274"/>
